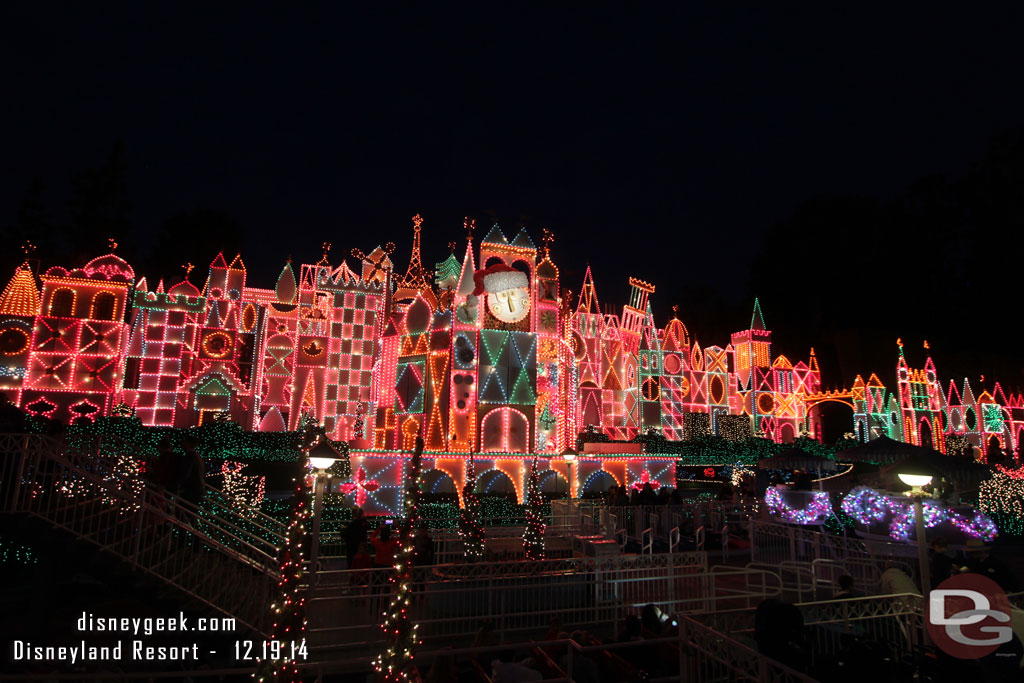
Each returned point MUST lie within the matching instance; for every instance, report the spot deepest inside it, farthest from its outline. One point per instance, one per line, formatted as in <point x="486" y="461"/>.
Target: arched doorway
<point x="786" y="434"/>
<point x="436" y="482"/>
<point x="599" y="482"/>
<point x="926" y="433"/>
<point x="553" y="484"/>
<point x="993" y="450"/>
<point x="505" y="430"/>
<point x="835" y="418"/>
<point x="495" y="482"/>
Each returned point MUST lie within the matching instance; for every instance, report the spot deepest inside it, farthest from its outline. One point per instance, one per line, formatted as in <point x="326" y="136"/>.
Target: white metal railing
<point x="694" y="652"/>
<point x="827" y="555"/>
<point x="688" y="517"/>
<point x="715" y="656"/>
<point x="895" y="620"/>
<point x="210" y="557"/>
<point x="451" y="601"/>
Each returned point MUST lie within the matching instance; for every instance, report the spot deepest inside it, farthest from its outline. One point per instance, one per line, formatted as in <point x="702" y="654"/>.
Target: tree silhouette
<point x="191" y="236"/>
<point x="99" y="209"/>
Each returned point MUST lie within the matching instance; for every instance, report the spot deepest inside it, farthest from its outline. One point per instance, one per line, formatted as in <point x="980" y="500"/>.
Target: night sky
<point x="859" y="170"/>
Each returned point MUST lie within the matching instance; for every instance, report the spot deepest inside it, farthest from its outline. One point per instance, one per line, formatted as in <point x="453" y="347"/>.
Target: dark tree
<point x="192" y="236"/>
<point x="33" y="224"/>
<point x="99" y="209"/>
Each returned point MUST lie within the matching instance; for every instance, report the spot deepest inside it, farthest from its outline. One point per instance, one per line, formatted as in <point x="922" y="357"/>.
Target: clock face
<point x="510" y="305"/>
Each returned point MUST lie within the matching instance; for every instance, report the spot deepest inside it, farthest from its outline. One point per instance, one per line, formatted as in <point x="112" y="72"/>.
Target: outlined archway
<point x="496" y="481"/>
<point x="437" y="482"/>
<point x="925" y="432"/>
<point x="505" y="430"/>
<point x="553" y="483"/>
<point x="599" y="482"/>
<point x="787" y="433"/>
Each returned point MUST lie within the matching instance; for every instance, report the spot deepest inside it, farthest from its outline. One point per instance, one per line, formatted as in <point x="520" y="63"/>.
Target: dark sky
<point x="664" y="143"/>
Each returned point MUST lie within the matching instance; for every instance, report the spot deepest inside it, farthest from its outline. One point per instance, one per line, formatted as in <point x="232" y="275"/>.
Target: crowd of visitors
<point x="618" y="496"/>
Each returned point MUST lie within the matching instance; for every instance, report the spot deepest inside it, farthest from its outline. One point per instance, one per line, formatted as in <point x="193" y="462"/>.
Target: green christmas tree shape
<point x="533" y="535"/>
<point x="471" y="527"/>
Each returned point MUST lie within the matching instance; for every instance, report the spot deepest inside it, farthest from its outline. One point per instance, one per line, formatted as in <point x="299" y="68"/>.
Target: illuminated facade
<point x="484" y="358"/>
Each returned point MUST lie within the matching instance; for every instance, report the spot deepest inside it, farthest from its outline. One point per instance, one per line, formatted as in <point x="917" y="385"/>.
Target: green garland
<point x="217" y="440"/>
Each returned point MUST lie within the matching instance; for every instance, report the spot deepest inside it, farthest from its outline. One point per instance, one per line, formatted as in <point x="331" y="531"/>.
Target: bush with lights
<point x="1002" y="499"/>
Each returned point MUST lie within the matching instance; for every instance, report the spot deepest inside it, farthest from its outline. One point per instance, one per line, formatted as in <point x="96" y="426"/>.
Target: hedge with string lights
<point x="216" y="439"/>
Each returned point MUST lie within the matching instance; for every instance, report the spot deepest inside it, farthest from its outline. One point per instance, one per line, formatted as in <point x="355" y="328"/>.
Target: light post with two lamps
<point x="322" y="457"/>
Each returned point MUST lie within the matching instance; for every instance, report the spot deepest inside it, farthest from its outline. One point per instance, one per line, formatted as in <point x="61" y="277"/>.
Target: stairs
<point x="214" y="555"/>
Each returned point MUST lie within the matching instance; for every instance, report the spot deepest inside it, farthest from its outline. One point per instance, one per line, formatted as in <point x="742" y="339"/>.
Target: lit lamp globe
<point x="323" y="455"/>
<point x="569" y="455"/>
<point x="915" y="474"/>
<point x="915" y="481"/>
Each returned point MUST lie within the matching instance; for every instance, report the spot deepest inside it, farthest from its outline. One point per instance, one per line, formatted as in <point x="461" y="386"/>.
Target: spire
<point x="495" y="236"/>
<point x="286" y="288"/>
<point x="219" y="262"/>
<point x="414" y="277"/>
<point x="588" y="295"/>
<point x="21" y="296"/>
<point x="466" y="284"/>
<point x="523" y="240"/>
<point x="813" y="362"/>
<point x="757" y="320"/>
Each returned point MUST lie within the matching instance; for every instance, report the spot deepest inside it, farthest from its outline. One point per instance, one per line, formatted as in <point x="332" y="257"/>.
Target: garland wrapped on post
<point x="395" y="663"/>
<point x="533" y="536"/>
<point x="471" y="527"/>
<point x="289" y="610"/>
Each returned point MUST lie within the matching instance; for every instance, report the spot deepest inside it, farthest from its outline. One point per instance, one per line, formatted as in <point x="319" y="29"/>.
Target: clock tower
<point x="507" y="379"/>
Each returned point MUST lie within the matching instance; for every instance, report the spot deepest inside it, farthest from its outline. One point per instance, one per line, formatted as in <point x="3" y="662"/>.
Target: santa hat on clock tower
<point x="496" y="278"/>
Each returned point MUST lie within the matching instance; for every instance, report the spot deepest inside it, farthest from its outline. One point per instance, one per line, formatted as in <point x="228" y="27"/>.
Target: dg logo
<point x="969" y="616"/>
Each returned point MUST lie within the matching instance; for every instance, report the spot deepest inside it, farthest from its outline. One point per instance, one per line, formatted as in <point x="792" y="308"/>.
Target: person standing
<point x="194" y="471"/>
<point x="385" y="545"/>
<point x="981" y="561"/>
<point x="355" y="533"/>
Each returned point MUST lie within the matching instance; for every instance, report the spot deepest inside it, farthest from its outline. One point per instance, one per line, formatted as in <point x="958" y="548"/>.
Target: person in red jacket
<point x="385" y="545"/>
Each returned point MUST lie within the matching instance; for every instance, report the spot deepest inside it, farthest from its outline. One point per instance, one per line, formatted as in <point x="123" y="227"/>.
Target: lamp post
<point x="321" y="457"/>
<point x="569" y="455"/>
<point x="917" y="475"/>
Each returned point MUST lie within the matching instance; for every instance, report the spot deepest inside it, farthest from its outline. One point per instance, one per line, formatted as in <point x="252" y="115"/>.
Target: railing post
<point x="681" y="647"/>
<point x="19" y="473"/>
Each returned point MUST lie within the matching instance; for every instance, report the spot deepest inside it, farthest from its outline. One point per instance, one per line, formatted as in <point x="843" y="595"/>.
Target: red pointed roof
<point x="21" y="296"/>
